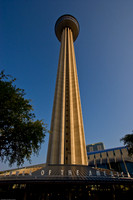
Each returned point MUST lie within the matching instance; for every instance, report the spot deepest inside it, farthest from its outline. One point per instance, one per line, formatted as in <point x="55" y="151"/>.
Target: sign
<point x="62" y="172"/>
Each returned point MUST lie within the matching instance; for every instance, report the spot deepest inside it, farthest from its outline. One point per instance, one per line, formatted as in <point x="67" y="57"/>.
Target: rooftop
<point x="106" y="150"/>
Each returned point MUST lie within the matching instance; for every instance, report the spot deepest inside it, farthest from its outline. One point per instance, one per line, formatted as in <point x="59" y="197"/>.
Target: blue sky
<point x="29" y="51"/>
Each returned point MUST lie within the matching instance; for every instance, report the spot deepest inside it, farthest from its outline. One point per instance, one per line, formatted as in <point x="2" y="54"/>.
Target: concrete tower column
<point x="67" y="140"/>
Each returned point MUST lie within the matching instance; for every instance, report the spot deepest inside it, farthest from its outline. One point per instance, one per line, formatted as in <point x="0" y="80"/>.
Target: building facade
<point x="67" y="140"/>
<point x="114" y="158"/>
<point x="95" y="147"/>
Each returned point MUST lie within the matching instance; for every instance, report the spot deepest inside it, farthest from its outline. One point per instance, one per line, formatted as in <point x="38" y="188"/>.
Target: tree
<point x="128" y="141"/>
<point x="20" y="134"/>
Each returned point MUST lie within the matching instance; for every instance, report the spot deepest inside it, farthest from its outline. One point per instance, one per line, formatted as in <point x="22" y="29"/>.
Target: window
<point x="91" y="149"/>
<point x="99" y="147"/>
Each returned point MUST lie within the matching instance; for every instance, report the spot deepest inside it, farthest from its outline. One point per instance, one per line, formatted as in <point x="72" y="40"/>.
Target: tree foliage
<point x="128" y="141"/>
<point x="20" y="134"/>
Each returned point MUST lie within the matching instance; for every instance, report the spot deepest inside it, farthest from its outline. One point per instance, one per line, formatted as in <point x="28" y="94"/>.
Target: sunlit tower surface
<point x="67" y="140"/>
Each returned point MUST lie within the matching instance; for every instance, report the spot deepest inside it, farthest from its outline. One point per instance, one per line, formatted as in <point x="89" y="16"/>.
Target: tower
<point x="67" y="141"/>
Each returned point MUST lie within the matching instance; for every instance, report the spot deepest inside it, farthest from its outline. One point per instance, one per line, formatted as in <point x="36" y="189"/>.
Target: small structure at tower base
<point x="67" y="182"/>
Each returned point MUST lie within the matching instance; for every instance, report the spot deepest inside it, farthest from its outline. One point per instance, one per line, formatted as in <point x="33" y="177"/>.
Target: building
<point x="114" y="158"/>
<point x="67" y="141"/>
<point x="67" y="182"/>
<point x="95" y="147"/>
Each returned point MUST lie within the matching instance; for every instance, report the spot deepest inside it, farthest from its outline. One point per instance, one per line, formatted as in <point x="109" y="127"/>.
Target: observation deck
<point x="67" y="21"/>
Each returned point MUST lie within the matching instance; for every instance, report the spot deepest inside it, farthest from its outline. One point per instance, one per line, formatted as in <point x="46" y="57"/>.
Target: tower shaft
<point x="67" y="141"/>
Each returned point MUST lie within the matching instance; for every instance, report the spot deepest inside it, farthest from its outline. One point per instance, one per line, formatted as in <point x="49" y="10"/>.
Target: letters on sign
<point x="64" y="173"/>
